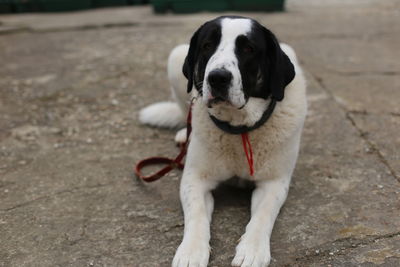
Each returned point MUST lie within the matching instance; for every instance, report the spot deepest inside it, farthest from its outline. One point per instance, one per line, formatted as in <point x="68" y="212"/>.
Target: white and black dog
<point x="246" y="83"/>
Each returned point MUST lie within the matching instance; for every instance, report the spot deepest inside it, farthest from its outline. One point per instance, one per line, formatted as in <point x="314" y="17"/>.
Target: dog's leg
<point x="253" y="249"/>
<point x="197" y="204"/>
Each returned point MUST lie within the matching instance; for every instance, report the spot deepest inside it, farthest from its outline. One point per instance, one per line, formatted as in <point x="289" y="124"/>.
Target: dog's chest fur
<point x="276" y="136"/>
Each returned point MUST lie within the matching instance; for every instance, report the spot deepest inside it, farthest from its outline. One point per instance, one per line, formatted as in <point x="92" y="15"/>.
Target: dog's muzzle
<point x="219" y="81"/>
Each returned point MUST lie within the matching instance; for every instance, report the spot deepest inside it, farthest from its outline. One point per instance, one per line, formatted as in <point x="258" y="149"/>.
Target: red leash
<point x="177" y="162"/>
<point x="172" y="163"/>
<point x="248" y="151"/>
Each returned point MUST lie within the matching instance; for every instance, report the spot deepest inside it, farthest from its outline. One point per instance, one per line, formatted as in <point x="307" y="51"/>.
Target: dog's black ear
<point x="190" y="60"/>
<point x="278" y="70"/>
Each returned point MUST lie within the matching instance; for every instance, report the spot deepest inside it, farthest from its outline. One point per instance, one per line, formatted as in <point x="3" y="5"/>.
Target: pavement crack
<point x="341" y="36"/>
<point x="373" y="147"/>
<point x="5" y="184"/>
<point x="341" y="246"/>
<point x="395" y="114"/>
<point x="86" y="27"/>
<point x="364" y="73"/>
<point x="25" y="203"/>
<point x="70" y="190"/>
<point x="364" y="112"/>
<point x="173" y="227"/>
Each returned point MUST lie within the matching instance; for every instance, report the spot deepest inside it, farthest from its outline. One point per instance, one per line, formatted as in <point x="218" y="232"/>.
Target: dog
<point x="242" y="82"/>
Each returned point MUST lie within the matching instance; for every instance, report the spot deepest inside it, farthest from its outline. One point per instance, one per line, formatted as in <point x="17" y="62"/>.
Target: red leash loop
<point x="248" y="151"/>
<point x="177" y="162"/>
<point x="172" y="163"/>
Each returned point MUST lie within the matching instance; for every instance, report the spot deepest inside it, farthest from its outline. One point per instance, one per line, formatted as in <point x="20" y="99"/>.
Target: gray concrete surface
<point x="72" y="84"/>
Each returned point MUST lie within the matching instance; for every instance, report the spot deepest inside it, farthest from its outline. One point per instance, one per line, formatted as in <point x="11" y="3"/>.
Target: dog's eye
<point x="248" y="49"/>
<point x="207" y="46"/>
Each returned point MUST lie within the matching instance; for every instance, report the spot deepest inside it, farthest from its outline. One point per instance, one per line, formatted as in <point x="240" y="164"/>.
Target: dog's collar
<point x="241" y="129"/>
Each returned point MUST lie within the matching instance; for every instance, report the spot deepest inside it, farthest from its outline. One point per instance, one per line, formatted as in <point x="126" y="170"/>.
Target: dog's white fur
<point x="224" y="58"/>
<point x="214" y="156"/>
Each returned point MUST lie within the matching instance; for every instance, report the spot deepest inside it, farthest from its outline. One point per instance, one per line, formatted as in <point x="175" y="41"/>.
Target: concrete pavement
<point x="70" y="90"/>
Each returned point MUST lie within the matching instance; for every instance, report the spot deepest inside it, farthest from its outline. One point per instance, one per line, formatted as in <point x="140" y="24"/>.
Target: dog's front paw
<point x="252" y="252"/>
<point x="191" y="254"/>
<point x="180" y="136"/>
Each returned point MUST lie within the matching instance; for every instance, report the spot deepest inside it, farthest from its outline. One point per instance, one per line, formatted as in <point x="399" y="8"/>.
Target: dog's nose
<point x="219" y="78"/>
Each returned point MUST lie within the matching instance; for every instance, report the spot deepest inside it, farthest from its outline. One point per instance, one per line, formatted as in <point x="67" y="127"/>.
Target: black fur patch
<point x="265" y="68"/>
<point x="203" y="44"/>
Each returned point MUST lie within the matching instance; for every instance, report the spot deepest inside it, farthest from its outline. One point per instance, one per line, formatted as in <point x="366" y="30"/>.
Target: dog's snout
<point x="219" y="78"/>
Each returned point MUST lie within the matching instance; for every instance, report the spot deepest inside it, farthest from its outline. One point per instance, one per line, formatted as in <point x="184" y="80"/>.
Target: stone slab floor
<point x="71" y="86"/>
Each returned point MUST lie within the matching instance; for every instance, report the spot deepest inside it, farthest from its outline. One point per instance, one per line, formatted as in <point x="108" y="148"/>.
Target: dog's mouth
<point x="219" y="100"/>
<point x="215" y="100"/>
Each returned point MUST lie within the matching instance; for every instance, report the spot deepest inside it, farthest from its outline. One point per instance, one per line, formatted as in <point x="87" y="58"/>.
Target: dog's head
<point x="233" y="58"/>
